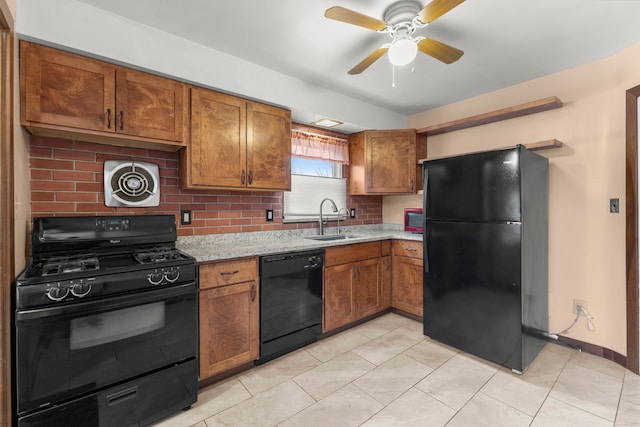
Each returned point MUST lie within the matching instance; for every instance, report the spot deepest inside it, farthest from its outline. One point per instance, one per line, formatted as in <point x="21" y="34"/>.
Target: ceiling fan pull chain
<point x="393" y="76"/>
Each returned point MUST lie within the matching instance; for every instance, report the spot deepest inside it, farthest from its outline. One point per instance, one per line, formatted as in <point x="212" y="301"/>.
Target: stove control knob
<point x="80" y="289"/>
<point x="57" y="292"/>
<point x="171" y="275"/>
<point x="155" y="277"/>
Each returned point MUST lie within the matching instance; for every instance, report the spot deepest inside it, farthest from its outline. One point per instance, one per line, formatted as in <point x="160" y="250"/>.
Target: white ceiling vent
<point x="129" y="183"/>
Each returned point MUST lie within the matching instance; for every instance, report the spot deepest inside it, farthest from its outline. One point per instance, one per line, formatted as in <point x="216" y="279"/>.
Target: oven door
<point x="68" y="351"/>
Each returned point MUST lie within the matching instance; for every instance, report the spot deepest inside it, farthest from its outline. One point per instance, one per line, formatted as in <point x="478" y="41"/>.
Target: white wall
<point x="84" y="29"/>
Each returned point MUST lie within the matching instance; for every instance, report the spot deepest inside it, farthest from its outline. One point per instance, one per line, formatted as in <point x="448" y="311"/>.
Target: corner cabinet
<point x="229" y="315"/>
<point x="382" y="162"/>
<point x="236" y="144"/>
<point x="68" y="95"/>
<point x="355" y="281"/>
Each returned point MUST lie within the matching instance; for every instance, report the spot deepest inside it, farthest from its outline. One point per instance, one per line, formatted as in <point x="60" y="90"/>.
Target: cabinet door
<point x="66" y="90"/>
<point x="390" y="160"/>
<point x="368" y="288"/>
<point x="149" y="106"/>
<point x="218" y="140"/>
<point x="268" y="147"/>
<point x="338" y="297"/>
<point x="407" y="285"/>
<point x="228" y="327"/>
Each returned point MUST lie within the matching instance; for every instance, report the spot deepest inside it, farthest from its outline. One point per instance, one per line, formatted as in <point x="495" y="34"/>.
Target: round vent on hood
<point x="129" y="183"/>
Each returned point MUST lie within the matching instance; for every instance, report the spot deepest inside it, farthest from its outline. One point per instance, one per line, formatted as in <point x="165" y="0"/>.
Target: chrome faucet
<point x="333" y="208"/>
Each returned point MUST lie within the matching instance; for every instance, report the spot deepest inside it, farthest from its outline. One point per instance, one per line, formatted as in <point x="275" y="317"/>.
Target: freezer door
<point x="472" y="289"/>
<point x="474" y="187"/>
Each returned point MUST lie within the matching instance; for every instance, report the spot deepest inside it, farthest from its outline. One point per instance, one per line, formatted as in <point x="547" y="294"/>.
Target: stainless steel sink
<point x="329" y="237"/>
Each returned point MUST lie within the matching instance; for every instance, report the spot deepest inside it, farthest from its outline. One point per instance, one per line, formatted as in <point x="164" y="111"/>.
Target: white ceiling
<point x="505" y="42"/>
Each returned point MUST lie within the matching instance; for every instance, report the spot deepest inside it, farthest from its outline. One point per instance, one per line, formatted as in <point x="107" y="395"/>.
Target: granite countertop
<point x="226" y="246"/>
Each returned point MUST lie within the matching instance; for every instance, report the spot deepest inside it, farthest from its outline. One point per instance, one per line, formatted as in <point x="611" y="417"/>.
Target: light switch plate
<point x="614" y="205"/>
<point x="269" y="215"/>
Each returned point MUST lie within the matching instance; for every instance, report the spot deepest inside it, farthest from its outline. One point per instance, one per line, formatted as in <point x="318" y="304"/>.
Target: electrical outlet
<point x="185" y="217"/>
<point x="578" y="302"/>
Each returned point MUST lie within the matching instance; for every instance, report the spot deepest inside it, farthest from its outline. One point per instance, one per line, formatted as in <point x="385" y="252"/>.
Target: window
<point x="316" y="173"/>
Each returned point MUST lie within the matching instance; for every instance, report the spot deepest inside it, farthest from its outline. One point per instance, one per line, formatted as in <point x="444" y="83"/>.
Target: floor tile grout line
<point x="551" y="388"/>
<point x="577" y="407"/>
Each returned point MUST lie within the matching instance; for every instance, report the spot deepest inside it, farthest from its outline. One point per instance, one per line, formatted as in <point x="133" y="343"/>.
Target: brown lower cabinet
<point x="360" y="280"/>
<point x="356" y="282"/>
<point x="229" y="315"/>
<point x="406" y="292"/>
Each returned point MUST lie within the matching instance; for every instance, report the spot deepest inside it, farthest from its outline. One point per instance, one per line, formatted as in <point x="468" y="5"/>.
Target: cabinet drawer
<point x="351" y="253"/>
<point x="228" y="272"/>
<point x="408" y="248"/>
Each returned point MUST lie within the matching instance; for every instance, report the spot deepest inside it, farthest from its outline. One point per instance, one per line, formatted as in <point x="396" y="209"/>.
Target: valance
<point x="316" y="146"/>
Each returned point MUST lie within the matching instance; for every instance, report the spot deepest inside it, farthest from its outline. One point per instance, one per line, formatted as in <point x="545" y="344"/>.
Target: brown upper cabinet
<point x="382" y="162"/>
<point x="236" y="144"/>
<point x="68" y="95"/>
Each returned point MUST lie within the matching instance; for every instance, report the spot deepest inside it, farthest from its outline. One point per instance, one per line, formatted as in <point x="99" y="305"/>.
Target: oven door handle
<point x="106" y="304"/>
<point x="122" y="396"/>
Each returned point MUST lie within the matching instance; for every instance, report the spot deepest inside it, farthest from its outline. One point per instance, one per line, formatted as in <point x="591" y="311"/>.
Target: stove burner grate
<point x="70" y="264"/>
<point x="159" y="254"/>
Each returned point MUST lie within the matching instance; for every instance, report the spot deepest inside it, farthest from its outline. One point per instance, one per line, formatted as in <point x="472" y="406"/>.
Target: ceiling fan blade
<point x="436" y="9"/>
<point x="342" y="14"/>
<point x="440" y="51"/>
<point x="366" y="62"/>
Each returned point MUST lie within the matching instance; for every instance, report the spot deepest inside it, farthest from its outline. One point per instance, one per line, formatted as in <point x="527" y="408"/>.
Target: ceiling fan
<point x="401" y="20"/>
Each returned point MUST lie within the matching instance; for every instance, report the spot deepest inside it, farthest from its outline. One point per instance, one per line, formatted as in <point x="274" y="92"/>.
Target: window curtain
<point x="316" y="146"/>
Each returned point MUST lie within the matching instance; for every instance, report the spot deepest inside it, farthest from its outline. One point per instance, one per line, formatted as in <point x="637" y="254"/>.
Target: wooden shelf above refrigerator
<point x="494" y="116"/>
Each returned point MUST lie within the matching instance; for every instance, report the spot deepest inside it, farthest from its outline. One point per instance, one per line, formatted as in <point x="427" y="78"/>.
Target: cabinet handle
<point x="412" y="185"/>
<point x="121" y="120"/>
<point x="242" y="177"/>
<point x="410" y="250"/>
<point x="228" y="273"/>
<point x="250" y="176"/>
<point x="253" y="293"/>
<point x="108" y="118"/>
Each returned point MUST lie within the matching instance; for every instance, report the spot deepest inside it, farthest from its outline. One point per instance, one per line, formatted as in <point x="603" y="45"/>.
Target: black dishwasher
<point x="290" y="302"/>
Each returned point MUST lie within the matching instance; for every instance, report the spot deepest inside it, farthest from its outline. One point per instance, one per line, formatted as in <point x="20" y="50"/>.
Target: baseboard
<point x="596" y="350"/>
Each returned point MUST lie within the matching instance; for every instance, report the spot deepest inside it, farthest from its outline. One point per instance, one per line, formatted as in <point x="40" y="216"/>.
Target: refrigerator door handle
<point x="426" y="248"/>
<point x="426" y="228"/>
<point x="425" y="191"/>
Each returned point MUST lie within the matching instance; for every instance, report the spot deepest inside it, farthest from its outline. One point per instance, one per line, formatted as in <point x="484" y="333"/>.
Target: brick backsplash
<point x="67" y="180"/>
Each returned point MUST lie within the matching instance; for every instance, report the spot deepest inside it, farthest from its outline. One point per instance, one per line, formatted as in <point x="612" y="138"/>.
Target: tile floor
<point x="386" y="373"/>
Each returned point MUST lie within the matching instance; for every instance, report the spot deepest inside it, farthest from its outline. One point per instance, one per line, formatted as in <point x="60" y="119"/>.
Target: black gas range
<point x="106" y="323"/>
<point x="81" y="258"/>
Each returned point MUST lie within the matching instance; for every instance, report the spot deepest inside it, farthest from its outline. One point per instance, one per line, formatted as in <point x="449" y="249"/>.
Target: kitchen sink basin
<point x="329" y="237"/>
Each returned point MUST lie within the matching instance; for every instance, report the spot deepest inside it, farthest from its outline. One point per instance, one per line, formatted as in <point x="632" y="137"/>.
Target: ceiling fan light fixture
<point x="402" y="51"/>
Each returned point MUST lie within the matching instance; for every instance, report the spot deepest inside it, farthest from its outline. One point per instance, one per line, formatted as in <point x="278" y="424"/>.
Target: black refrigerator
<point x="486" y="254"/>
